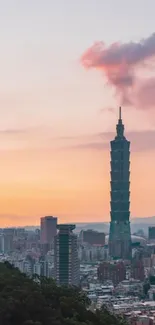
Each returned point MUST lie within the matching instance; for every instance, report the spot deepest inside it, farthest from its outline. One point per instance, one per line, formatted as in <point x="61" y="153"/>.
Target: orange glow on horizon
<point x="74" y="186"/>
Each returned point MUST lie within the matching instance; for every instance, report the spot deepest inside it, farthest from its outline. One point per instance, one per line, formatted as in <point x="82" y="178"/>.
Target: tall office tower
<point x="66" y="263"/>
<point x="120" y="235"/>
<point x="152" y="234"/>
<point x="48" y="230"/>
<point x="6" y="243"/>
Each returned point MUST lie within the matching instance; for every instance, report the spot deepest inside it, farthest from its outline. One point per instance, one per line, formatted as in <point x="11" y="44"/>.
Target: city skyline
<point x="57" y="118"/>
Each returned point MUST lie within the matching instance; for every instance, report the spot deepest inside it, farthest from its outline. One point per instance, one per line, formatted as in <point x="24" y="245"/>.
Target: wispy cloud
<point x="41" y="138"/>
<point x="90" y="145"/>
<point x="23" y="131"/>
<point x="107" y="109"/>
<point x="140" y="141"/>
<point x="14" y="131"/>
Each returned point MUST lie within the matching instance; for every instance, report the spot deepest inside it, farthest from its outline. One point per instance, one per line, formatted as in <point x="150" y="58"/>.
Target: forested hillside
<point x="39" y="301"/>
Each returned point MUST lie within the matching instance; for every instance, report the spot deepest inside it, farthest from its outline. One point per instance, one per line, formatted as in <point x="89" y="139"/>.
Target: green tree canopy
<point x="39" y="301"/>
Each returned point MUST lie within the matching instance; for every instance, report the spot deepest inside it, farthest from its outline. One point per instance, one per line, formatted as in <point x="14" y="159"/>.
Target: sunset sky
<point x="57" y="117"/>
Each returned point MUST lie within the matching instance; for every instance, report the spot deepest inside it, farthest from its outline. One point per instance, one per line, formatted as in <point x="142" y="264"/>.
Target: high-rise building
<point x="152" y="234"/>
<point x="48" y="230"/>
<point x="6" y="243"/>
<point x="120" y="235"/>
<point x="92" y="237"/>
<point x="66" y="264"/>
<point x="137" y="269"/>
<point x="116" y="272"/>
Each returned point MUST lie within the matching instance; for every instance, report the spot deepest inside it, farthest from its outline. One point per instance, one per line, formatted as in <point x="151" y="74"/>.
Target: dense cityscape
<point x="115" y="269"/>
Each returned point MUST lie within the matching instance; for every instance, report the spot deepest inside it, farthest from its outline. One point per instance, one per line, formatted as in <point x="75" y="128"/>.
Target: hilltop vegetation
<point x="39" y="301"/>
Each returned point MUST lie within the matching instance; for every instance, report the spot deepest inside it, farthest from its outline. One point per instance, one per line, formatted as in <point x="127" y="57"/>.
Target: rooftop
<point x="66" y="227"/>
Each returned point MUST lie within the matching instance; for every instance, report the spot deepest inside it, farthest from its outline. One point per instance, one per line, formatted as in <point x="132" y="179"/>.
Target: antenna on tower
<point x="120" y="113"/>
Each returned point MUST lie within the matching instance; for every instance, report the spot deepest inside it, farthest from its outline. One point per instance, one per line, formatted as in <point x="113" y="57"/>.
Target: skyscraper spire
<point x="120" y="113"/>
<point x="120" y="126"/>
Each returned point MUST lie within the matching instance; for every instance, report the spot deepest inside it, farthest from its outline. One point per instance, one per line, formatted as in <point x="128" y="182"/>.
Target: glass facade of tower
<point x="120" y="236"/>
<point x="66" y="264"/>
<point x="64" y="259"/>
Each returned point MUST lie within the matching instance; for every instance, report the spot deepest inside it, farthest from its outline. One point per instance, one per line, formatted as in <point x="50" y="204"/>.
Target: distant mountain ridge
<point x="150" y="220"/>
<point x="136" y="224"/>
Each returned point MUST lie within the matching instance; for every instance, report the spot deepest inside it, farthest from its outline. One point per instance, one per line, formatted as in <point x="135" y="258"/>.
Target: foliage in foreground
<point x="24" y="301"/>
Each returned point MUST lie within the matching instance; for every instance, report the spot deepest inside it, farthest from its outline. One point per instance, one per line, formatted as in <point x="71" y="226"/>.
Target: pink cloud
<point x="120" y="64"/>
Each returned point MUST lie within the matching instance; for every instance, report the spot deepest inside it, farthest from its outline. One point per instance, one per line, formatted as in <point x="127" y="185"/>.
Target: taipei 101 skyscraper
<point x="120" y="235"/>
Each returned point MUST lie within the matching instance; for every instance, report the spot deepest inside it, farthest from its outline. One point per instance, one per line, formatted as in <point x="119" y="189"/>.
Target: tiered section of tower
<point x="120" y="235"/>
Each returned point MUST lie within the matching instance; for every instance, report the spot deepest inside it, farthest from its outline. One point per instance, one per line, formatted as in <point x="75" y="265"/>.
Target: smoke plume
<point x="123" y="66"/>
